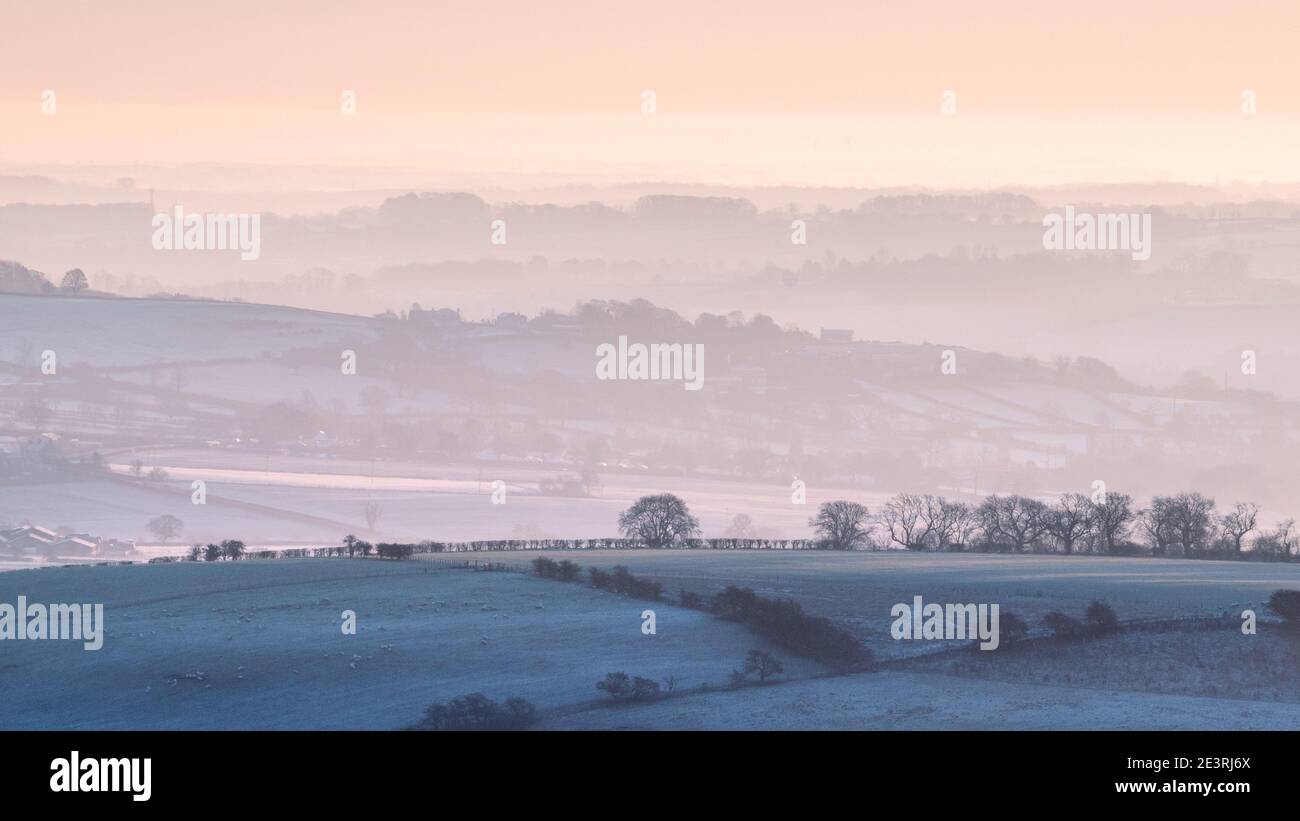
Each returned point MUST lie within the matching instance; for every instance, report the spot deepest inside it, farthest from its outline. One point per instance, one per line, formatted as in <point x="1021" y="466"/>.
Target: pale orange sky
<point x="747" y="92"/>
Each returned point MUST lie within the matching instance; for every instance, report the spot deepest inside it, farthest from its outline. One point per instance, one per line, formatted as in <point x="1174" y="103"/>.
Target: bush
<point x="1286" y="603"/>
<point x="1063" y="626"/>
<point x="599" y="578"/>
<point x="692" y="600"/>
<point x="544" y="567"/>
<point x="478" y="712"/>
<point x="1012" y="628"/>
<point x="645" y="589"/>
<point x="620" y="579"/>
<point x="783" y="622"/>
<point x="388" y="550"/>
<point x="734" y="603"/>
<point x="617" y="686"/>
<point x="622" y="687"/>
<point x="1100" y="618"/>
<point x="567" y="571"/>
<point x="644" y="689"/>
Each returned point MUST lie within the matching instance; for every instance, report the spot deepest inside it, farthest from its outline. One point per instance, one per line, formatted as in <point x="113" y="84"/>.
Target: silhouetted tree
<point x="1110" y="519"/>
<point x="658" y="521"/>
<point x="841" y="525"/>
<point x="1238" y="522"/>
<point x="763" y="663"/>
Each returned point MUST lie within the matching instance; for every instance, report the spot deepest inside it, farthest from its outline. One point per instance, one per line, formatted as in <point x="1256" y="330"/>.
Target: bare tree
<point x="1239" y="521"/>
<point x="1111" y="518"/>
<point x="1070" y="520"/>
<point x="904" y="521"/>
<point x="763" y="663"/>
<point x="947" y="523"/>
<point x="1017" y="521"/>
<point x="841" y="524"/>
<point x="1158" y="524"/>
<point x="1280" y="542"/>
<point x="1192" y="517"/>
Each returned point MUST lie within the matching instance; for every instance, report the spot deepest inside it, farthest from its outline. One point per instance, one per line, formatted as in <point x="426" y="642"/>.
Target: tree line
<point x="1184" y="524"/>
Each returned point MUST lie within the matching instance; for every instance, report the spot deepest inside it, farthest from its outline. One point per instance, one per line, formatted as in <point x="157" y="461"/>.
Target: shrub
<point x="1286" y="603"/>
<point x="1063" y="626"/>
<point x="388" y="550"/>
<point x="783" y="622"/>
<point x="599" y="578"/>
<point x="617" y="686"/>
<point x="1100" y="618"/>
<point x="692" y="600"/>
<point x="1012" y="628"/>
<point x="620" y="579"/>
<point x="568" y="571"/>
<point x="478" y="712"/>
<point x="734" y="603"/>
<point x="544" y="567"/>
<point x="645" y="589"/>
<point x="622" y="687"/>
<point x="644" y="689"/>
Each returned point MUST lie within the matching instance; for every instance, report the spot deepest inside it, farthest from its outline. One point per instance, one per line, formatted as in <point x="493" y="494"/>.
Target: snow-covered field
<point x="258" y="644"/>
<point x="918" y="701"/>
<point x="267" y="638"/>
<point x="857" y="590"/>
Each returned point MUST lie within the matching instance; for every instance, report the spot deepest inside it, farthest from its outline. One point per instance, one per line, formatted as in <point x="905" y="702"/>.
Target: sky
<point x="754" y="92"/>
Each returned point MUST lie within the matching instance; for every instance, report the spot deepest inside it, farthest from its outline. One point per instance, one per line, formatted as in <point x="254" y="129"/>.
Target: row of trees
<point x="1186" y="524"/>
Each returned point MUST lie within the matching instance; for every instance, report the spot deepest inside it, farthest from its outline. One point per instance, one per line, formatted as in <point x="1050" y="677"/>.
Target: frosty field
<point x="266" y="638"/>
<point x="257" y="644"/>
<point x="856" y="590"/>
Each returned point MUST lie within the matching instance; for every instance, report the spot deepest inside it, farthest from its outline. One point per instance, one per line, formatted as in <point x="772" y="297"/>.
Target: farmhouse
<point x="32" y="541"/>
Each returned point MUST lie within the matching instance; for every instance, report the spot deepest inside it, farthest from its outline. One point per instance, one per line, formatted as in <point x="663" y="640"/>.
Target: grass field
<point x="258" y="644"/>
<point x="267" y="638"/>
<point x="857" y="590"/>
